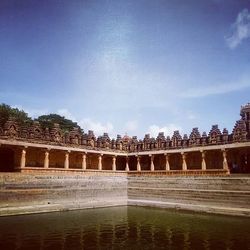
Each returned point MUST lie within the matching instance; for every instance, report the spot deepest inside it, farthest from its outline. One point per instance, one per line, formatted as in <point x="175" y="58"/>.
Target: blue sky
<point x="127" y="66"/>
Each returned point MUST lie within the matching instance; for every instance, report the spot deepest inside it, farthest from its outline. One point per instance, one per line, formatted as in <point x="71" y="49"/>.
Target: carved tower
<point x="245" y="116"/>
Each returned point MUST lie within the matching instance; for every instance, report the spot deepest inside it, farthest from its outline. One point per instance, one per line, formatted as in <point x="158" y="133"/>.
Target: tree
<point x="6" y="112"/>
<point x="49" y="120"/>
<point x="46" y="121"/>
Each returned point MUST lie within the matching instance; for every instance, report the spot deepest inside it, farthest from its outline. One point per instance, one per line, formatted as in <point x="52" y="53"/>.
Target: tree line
<point x="46" y="121"/>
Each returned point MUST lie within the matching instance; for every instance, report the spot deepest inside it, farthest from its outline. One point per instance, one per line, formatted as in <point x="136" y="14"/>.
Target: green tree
<point x="49" y="120"/>
<point x="7" y="111"/>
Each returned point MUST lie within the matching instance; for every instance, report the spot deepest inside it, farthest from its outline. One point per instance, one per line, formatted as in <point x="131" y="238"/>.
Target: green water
<point x="124" y="228"/>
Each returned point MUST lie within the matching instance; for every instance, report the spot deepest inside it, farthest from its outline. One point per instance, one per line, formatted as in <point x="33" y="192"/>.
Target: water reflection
<point x="124" y="228"/>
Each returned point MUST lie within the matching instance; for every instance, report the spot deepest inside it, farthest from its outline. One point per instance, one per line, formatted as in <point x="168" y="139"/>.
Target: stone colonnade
<point x="112" y="160"/>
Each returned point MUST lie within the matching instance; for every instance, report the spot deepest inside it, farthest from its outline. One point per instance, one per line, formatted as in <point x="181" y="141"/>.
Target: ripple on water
<point x="124" y="228"/>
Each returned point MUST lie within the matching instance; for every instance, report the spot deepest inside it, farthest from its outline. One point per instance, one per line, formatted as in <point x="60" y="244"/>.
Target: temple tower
<point x="245" y="116"/>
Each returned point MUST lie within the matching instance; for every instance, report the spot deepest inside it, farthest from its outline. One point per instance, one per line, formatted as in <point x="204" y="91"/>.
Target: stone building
<point x="33" y="148"/>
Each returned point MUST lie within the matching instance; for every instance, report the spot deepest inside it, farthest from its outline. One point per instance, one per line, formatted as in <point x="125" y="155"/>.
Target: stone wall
<point x="225" y="195"/>
<point x="22" y="193"/>
<point x="31" y="193"/>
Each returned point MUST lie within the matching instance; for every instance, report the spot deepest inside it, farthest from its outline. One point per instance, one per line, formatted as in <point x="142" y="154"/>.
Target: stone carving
<point x="185" y="141"/>
<point x="245" y="116"/>
<point x="214" y="135"/>
<point x="113" y="144"/>
<point x="225" y="135"/>
<point x="133" y="144"/>
<point x="146" y="142"/>
<point x="176" y="139"/>
<point x="239" y="131"/>
<point x="24" y="131"/>
<point x="168" y="142"/>
<point x="119" y="142"/>
<point x="91" y="140"/>
<point x="47" y="134"/>
<point x="11" y="128"/>
<point x="195" y="137"/>
<point x="34" y="132"/>
<point x="160" y="140"/>
<point x="75" y="136"/>
<point x="56" y="134"/>
<point x="66" y="138"/>
<point x="105" y="141"/>
<point x="140" y="145"/>
<point x="204" y="138"/>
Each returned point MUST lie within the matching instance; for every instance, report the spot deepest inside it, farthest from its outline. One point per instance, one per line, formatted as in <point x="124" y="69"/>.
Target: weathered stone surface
<point x="22" y="193"/>
<point x="226" y="195"/>
<point x="30" y="193"/>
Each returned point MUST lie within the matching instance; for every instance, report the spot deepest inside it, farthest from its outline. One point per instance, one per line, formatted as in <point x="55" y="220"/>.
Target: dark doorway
<point x="7" y="162"/>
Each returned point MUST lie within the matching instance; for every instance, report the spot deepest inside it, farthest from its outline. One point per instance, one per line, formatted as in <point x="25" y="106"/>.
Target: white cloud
<point x="168" y="129"/>
<point x="98" y="127"/>
<point x="34" y="113"/>
<point x="88" y="124"/>
<point x="240" y="29"/>
<point x="191" y="115"/>
<point x="66" y="113"/>
<point x="131" y="126"/>
<point x="215" y="89"/>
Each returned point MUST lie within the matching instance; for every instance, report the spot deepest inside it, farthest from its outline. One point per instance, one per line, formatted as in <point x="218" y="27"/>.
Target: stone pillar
<point x="184" y="164"/>
<point x="100" y="162"/>
<point x="203" y="161"/>
<point x="127" y="165"/>
<point x="84" y="164"/>
<point x="114" y="163"/>
<point x="23" y="158"/>
<point x="225" y="164"/>
<point x="138" y="163"/>
<point x="152" y="167"/>
<point x="46" y="159"/>
<point x="66" y="161"/>
<point x="167" y="167"/>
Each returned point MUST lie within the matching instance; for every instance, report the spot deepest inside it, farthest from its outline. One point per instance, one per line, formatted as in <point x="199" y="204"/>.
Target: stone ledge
<point x="235" y="211"/>
<point x="192" y="190"/>
<point x="32" y="209"/>
<point x="190" y="172"/>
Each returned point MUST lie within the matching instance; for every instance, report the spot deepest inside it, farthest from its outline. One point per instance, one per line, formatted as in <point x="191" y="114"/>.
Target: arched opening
<point x="7" y="160"/>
